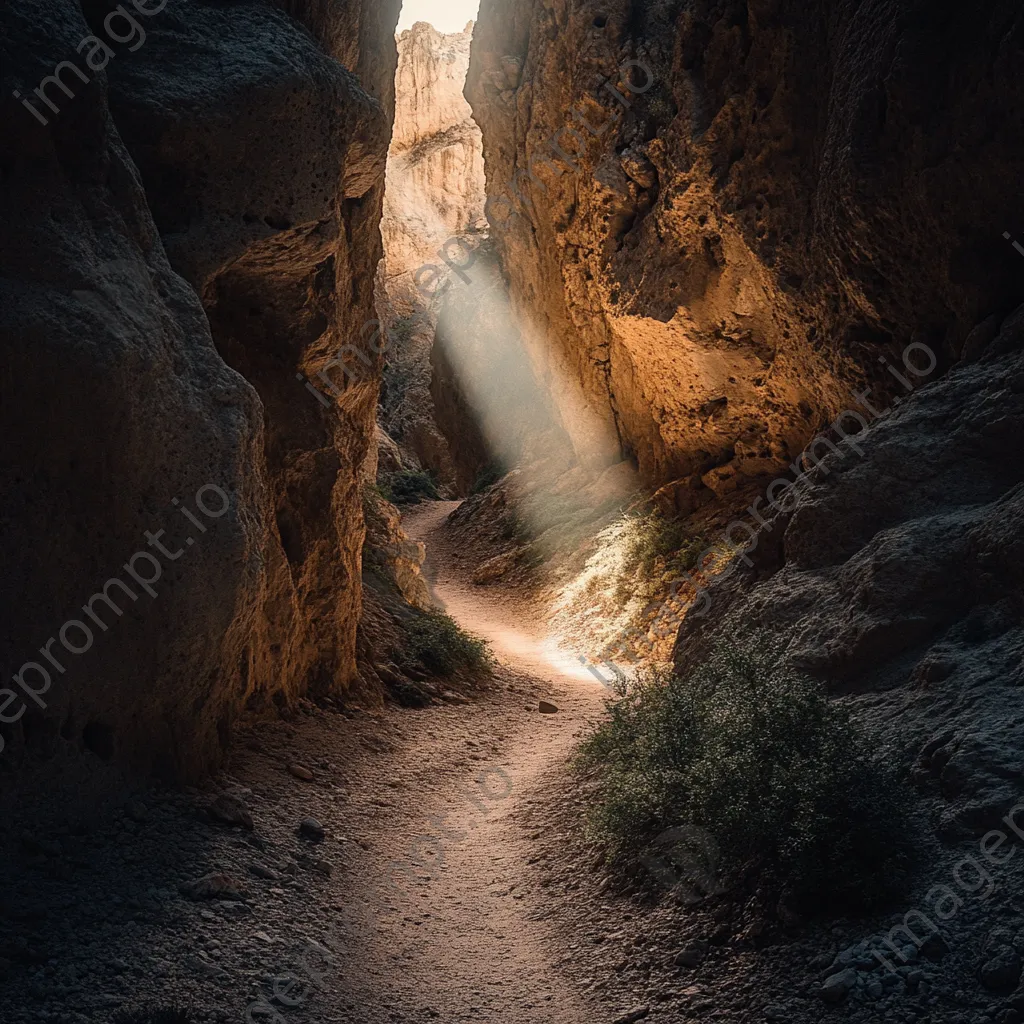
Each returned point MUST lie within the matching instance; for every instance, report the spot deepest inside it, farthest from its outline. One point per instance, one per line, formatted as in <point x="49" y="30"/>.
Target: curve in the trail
<point x="465" y="937"/>
<point x="508" y="625"/>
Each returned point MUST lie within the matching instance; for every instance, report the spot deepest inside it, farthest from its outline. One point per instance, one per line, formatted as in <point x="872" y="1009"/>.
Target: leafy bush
<point x="761" y="759"/>
<point x="410" y="486"/>
<point x="439" y="643"/>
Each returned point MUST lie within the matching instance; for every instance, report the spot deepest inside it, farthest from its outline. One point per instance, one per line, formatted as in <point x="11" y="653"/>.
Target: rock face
<point x="435" y="173"/>
<point x="193" y="227"/>
<point x="747" y="204"/>
<point x="435" y="191"/>
<point x="749" y="211"/>
<point x="896" y="574"/>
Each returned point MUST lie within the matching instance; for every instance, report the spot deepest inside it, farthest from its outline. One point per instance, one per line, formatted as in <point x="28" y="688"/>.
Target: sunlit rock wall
<point x="773" y="195"/>
<point x="435" y="191"/>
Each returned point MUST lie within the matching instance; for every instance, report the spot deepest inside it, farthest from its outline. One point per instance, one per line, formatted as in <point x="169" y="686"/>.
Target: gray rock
<point x="214" y="886"/>
<point x="633" y="1015"/>
<point x="837" y="987"/>
<point x="1001" y="972"/>
<point x="689" y="958"/>
<point x="311" y="829"/>
<point x="232" y="810"/>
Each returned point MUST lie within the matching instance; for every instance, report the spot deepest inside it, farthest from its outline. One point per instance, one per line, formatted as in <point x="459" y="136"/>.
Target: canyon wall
<point x="758" y="209"/>
<point x="719" y="216"/>
<point x="435" y="191"/>
<point x="190" y="223"/>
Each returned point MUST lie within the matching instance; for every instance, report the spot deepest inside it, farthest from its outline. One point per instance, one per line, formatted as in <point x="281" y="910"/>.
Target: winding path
<point x="457" y="934"/>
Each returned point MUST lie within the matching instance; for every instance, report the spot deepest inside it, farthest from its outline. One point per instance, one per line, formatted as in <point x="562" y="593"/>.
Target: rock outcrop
<point x="195" y="225"/>
<point x="751" y="213"/>
<point x="435" y="192"/>
<point x="435" y="173"/>
<point x="896" y="575"/>
<point x="745" y="206"/>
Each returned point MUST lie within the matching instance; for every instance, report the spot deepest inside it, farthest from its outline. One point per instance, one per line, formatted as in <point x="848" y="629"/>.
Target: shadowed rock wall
<point x="195" y="226"/>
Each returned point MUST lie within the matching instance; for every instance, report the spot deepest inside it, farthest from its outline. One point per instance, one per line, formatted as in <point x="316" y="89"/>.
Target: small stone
<point x="310" y="828"/>
<point x="838" y="986"/>
<point x="1002" y="972"/>
<point x="214" y="886"/>
<point x="633" y="1015"/>
<point x="547" y="708"/>
<point x="689" y="958"/>
<point x="262" y="871"/>
<point x="874" y="989"/>
<point x="300" y="771"/>
<point x="231" y="810"/>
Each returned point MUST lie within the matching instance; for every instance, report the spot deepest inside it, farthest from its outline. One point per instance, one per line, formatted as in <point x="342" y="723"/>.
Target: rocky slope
<point x="196" y="225"/>
<point x="435" y="192"/>
<point x="746" y="206"/>
<point x="895" y="575"/>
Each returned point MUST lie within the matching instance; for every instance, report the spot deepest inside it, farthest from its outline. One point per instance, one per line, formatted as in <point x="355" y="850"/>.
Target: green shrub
<point x="440" y="644"/>
<point x="410" y="486"/>
<point x="761" y="759"/>
<point x="488" y="476"/>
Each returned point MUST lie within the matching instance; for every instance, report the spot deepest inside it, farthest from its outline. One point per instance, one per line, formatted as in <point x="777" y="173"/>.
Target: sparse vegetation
<point x="489" y="475"/>
<point x="440" y="644"/>
<point x="656" y="547"/>
<point x="410" y="486"/>
<point x="760" y="758"/>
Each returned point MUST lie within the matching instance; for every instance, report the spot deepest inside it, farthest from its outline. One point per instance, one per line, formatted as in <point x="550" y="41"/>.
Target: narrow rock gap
<point x="512" y="521"/>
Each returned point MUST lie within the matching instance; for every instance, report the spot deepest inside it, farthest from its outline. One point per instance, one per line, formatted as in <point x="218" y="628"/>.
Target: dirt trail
<point x="462" y="936"/>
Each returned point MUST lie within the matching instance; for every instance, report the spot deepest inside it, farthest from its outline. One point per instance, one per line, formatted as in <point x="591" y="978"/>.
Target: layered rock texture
<point x="435" y="174"/>
<point x="435" y="192"/>
<point x="717" y="216"/>
<point x="194" y="226"/>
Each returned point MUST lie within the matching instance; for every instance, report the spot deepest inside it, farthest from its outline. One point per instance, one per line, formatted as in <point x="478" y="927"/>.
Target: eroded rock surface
<point x="233" y="182"/>
<point x="897" y="578"/>
<point x="753" y="202"/>
<point x="435" y="192"/>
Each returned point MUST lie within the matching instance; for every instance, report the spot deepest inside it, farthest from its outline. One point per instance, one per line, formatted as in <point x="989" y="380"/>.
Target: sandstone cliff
<point x="197" y="225"/>
<point x="759" y="209"/>
<point x="435" y="191"/>
<point x="747" y="206"/>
